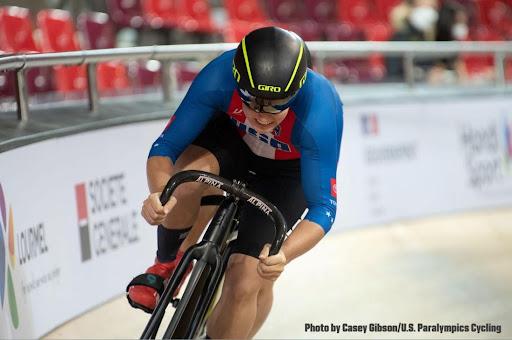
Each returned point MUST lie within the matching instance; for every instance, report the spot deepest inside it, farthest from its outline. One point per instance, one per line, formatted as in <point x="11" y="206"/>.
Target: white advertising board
<point x="415" y="159"/>
<point x="71" y="232"/>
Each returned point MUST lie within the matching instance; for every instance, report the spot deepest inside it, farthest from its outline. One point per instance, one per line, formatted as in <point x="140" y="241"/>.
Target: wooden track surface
<point x="448" y="270"/>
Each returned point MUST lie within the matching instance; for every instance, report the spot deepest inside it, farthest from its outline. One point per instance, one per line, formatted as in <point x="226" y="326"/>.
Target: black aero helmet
<point x="271" y="63"/>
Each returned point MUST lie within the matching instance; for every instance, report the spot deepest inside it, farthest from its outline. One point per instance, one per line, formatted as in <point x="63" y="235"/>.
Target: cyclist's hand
<point x="270" y="267"/>
<point x="153" y="211"/>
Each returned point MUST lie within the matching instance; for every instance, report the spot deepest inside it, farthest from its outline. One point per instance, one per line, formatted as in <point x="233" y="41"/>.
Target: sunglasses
<point x="273" y="106"/>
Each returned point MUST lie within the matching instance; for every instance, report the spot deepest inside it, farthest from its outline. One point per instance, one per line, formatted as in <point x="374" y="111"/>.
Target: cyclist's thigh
<point x="281" y="186"/>
<point x="197" y="158"/>
<point x="241" y="271"/>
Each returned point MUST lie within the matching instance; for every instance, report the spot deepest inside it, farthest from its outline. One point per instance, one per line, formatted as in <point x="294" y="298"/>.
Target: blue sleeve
<point x="209" y="93"/>
<point x="320" y="143"/>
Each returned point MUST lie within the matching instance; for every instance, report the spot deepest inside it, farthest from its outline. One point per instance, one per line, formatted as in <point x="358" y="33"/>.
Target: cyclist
<point x="258" y="114"/>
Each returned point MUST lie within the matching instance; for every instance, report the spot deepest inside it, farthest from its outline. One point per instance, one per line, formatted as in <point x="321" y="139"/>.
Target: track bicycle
<point x="211" y="255"/>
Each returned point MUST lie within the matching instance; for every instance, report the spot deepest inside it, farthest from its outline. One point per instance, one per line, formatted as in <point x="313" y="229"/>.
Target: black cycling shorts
<point x="279" y="181"/>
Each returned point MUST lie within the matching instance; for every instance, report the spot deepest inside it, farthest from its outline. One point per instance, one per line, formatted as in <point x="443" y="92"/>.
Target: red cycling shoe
<point x="144" y="290"/>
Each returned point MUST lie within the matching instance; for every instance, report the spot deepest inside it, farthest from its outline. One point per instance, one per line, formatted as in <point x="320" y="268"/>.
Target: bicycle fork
<point x="207" y="254"/>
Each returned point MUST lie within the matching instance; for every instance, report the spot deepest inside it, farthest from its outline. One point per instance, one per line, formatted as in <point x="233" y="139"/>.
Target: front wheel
<point x="180" y="326"/>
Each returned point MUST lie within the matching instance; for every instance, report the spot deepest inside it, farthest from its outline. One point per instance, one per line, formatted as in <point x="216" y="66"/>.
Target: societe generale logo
<point x="83" y="221"/>
<point x="106" y="221"/>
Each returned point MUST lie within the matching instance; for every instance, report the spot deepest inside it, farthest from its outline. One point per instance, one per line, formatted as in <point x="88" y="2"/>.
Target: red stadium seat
<point x="235" y="30"/>
<point x="244" y="16"/>
<point x="146" y="74"/>
<point x="6" y="82"/>
<point x="484" y="33"/>
<point x="160" y="13"/>
<point x="308" y="30"/>
<point x="112" y="76"/>
<point x="478" y="65"/>
<point x="185" y="73"/>
<point x="508" y="33"/>
<point x="496" y="14"/>
<point x="508" y="69"/>
<point x="195" y="16"/>
<point x="16" y="30"/>
<point x="126" y="13"/>
<point x="58" y="35"/>
<point x="16" y="36"/>
<point x="343" y="32"/>
<point x="321" y="11"/>
<point x="491" y="12"/>
<point x="384" y="7"/>
<point x="358" y="12"/>
<point x="293" y="14"/>
<point x="321" y="16"/>
<point x="57" y="30"/>
<point x="378" y="32"/>
<point x="354" y="70"/>
<point x="360" y="22"/>
<point x="286" y="11"/>
<point x="98" y="32"/>
<point x="246" y="10"/>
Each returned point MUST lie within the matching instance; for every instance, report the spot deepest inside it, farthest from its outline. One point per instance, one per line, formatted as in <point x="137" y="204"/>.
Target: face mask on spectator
<point x="423" y="18"/>
<point x="460" y="31"/>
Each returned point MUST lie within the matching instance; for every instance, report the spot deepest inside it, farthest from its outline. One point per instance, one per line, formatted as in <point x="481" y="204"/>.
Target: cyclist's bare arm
<point x="304" y="237"/>
<point x="159" y="170"/>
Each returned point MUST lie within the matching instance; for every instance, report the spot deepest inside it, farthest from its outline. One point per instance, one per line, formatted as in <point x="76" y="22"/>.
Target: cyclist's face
<point x="264" y="122"/>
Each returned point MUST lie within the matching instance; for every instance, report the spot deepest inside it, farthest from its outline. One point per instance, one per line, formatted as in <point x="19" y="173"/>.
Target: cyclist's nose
<point x="266" y="117"/>
<point x="256" y="114"/>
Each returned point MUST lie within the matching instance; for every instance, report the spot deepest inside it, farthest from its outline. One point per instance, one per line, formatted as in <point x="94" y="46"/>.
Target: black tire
<point x="186" y="308"/>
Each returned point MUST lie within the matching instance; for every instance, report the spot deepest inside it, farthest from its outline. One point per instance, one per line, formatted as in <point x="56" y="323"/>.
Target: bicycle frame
<point x="212" y="253"/>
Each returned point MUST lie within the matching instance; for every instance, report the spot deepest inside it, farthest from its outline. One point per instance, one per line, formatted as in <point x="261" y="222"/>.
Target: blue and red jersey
<point x="311" y="131"/>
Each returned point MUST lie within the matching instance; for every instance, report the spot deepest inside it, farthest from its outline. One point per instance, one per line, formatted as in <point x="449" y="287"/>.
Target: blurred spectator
<point x="423" y="17"/>
<point x="451" y="26"/>
<point x="398" y="15"/>
<point x="418" y="26"/>
<point x="452" y="23"/>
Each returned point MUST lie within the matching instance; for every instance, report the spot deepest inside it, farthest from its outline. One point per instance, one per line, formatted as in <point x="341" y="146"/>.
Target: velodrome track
<point x="445" y="269"/>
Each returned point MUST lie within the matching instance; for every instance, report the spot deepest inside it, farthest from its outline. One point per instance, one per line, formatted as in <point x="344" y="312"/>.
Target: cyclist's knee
<point x="212" y="191"/>
<point x="242" y="290"/>
<point x="197" y="158"/>
<point x="242" y="280"/>
<point x="194" y="158"/>
<point x="188" y="191"/>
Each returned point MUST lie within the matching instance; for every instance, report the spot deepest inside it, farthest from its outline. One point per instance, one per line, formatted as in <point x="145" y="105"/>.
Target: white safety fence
<point x="410" y="51"/>
<point x="71" y="236"/>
